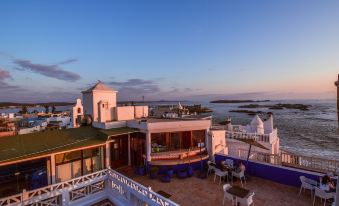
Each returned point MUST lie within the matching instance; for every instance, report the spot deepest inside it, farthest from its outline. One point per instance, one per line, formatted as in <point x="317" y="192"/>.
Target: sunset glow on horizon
<point x="51" y="50"/>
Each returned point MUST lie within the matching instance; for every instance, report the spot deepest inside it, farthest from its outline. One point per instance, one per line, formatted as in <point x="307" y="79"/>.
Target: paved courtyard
<point x="195" y="191"/>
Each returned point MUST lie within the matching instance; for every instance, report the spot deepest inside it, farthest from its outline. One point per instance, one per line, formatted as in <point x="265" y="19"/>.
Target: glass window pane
<point x="198" y="136"/>
<point x="87" y="166"/>
<point x="76" y="169"/>
<point x="63" y="172"/>
<point x="96" y="164"/>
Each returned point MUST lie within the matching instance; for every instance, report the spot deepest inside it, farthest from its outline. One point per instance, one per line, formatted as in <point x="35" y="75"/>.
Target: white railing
<point x="239" y="131"/>
<point x="292" y="160"/>
<point x="89" y="189"/>
<point x="258" y="137"/>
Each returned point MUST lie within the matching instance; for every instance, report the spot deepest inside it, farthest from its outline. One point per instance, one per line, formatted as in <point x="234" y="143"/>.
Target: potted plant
<point x="190" y="171"/>
<point x="170" y="172"/>
<point x="153" y="172"/>
<point x="182" y="173"/>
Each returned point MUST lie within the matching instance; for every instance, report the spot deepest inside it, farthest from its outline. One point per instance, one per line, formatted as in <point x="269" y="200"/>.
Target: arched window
<point x="79" y="110"/>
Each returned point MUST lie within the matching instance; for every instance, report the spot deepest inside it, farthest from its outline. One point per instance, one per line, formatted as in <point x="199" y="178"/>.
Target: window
<point x="158" y="141"/>
<point x="79" y="110"/>
<point x="75" y="164"/>
<point x="198" y="136"/>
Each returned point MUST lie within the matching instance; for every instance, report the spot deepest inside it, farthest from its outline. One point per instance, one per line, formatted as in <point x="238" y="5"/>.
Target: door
<point x="137" y="149"/>
<point x="119" y="151"/>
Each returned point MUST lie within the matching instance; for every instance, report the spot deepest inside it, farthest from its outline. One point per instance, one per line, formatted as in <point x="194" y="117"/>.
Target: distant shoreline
<point x="8" y="105"/>
<point x="225" y="101"/>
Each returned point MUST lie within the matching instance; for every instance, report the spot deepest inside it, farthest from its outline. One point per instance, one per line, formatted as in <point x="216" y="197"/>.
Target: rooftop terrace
<point x="195" y="191"/>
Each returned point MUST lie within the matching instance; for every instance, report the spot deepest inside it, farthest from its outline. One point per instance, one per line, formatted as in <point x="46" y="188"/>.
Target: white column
<point x="148" y="146"/>
<point x="53" y="167"/>
<point x="129" y="150"/>
<point x="108" y="155"/>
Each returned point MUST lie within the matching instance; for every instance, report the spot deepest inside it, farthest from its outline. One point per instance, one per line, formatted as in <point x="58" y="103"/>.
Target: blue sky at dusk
<point x="167" y="49"/>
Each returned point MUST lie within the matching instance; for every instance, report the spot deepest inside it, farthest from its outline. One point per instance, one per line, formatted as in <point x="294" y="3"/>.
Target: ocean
<point x="311" y="133"/>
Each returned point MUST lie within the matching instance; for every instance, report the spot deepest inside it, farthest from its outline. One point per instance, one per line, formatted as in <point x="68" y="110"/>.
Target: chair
<point x="307" y="184"/>
<point x="227" y="195"/>
<point x="220" y="174"/>
<point x="323" y="195"/>
<point x="239" y="175"/>
<point x="211" y="167"/>
<point x="229" y="162"/>
<point x="245" y="201"/>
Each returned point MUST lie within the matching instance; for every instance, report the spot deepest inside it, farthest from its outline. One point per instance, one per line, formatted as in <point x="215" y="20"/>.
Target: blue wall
<point x="280" y="174"/>
<point x="164" y="168"/>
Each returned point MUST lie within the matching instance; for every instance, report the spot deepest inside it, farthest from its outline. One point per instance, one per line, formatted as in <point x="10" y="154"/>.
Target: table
<point x="238" y="191"/>
<point x="164" y="194"/>
<point x="227" y="167"/>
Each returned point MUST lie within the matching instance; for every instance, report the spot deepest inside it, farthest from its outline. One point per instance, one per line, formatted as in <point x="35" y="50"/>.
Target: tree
<point x="46" y="108"/>
<point x="53" y="109"/>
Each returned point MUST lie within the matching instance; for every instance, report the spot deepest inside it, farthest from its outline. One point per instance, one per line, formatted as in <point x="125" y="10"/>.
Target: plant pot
<point x="182" y="174"/>
<point x="190" y="171"/>
<point x="170" y="173"/>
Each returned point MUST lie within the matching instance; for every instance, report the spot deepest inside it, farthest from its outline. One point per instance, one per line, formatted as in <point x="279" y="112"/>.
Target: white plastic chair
<point x="322" y="195"/>
<point x="220" y="174"/>
<point x="229" y="162"/>
<point x="307" y="184"/>
<point x="227" y="195"/>
<point x="239" y="175"/>
<point x="210" y="167"/>
<point x="247" y="201"/>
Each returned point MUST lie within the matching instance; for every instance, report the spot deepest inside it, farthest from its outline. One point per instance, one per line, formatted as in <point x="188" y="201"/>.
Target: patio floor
<point x="195" y="191"/>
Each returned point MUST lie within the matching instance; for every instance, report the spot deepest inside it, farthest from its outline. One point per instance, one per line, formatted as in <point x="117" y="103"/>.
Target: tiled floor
<point x="204" y="192"/>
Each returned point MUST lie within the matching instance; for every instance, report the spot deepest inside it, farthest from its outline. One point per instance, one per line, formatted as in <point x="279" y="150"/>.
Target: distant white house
<point x="60" y="121"/>
<point x="100" y="108"/>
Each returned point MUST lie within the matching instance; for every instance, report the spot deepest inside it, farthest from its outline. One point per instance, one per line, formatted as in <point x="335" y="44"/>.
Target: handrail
<point x="293" y="160"/>
<point x="88" y="186"/>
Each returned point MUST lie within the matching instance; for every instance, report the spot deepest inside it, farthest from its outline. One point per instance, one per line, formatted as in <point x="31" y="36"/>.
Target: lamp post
<point x="337" y="85"/>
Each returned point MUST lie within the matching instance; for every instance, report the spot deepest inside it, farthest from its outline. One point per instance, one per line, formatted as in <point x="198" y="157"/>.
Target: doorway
<point x="119" y="151"/>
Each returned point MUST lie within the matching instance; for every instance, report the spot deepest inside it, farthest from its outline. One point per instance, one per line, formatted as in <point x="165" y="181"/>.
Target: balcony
<point x="107" y="186"/>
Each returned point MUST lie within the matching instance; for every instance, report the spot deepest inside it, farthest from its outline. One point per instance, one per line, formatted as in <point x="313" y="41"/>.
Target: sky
<point x="169" y="49"/>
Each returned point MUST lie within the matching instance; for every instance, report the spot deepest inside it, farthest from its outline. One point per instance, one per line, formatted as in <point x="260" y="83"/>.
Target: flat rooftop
<point x="202" y="192"/>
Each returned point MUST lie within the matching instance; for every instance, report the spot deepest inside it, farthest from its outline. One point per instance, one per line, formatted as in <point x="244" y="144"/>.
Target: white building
<point x="261" y="131"/>
<point x="100" y="108"/>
